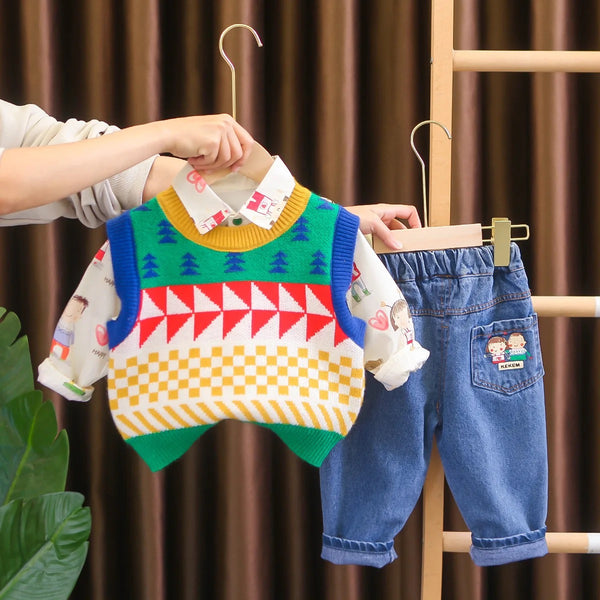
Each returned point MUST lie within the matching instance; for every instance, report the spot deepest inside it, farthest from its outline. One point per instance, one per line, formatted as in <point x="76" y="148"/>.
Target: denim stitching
<point x="443" y="341"/>
<point x="337" y="543"/>
<point x="520" y="386"/>
<point x="449" y="276"/>
<point x="512" y="330"/>
<point x="470" y="309"/>
<point x="530" y="537"/>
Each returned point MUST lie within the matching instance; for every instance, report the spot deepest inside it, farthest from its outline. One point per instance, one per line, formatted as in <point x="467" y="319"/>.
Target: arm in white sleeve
<point x="79" y="350"/>
<point x="29" y="126"/>
<point x="391" y="351"/>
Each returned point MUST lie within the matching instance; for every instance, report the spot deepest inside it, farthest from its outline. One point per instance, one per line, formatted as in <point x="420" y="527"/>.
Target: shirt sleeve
<point x="391" y="351"/>
<point x="79" y="350"/>
<point x="29" y="126"/>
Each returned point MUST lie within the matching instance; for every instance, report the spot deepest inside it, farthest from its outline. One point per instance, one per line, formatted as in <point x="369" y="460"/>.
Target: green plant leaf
<point x="43" y="530"/>
<point x="33" y="458"/>
<point x="43" y="546"/>
<point x="16" y="375"/>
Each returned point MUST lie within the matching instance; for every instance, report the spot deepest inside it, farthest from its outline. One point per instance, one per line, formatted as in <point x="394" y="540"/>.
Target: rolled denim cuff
<point x="341" y="551"/>
<point x="487" y="552"/>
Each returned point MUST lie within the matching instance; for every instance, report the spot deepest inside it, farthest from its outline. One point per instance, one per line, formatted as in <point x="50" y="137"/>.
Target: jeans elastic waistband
<point x="454" y="262"/>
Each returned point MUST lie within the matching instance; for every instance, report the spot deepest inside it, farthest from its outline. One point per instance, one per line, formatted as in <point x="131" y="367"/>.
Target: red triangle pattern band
<point x="185" y="293"/>
<point x="269" y="291"/>
<point x="147" y="327"/>
<point x="175" y="323"/>
<point x="260" y="318"/>
<point x="233" y="301"/>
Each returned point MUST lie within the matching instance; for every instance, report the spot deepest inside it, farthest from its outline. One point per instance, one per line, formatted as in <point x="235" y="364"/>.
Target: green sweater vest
<point x="240" y="323"/>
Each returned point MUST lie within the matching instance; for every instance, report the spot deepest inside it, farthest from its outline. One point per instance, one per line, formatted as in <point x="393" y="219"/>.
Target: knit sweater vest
<point x="240" y="323"/>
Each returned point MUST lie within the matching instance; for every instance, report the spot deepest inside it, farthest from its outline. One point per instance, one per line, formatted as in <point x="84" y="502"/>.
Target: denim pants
<point x="480" y="394"/>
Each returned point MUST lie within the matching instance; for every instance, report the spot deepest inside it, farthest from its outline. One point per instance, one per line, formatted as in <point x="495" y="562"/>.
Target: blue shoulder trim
<point x="342" y="263"/>
<point x="127" y="281"/>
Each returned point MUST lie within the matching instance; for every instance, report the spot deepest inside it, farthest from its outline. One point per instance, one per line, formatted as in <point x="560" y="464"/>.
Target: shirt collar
<point x="262" y="206"/>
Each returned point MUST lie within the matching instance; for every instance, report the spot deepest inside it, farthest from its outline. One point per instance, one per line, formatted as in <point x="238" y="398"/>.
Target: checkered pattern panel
<point x="177" y="388"/>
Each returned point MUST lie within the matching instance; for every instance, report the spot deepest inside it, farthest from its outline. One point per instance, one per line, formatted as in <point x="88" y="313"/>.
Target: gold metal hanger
<point x="260" y="160"/>
<point x="228" y="60"/>
<point x="420" y="159"/>
<point x="452" y="236"/>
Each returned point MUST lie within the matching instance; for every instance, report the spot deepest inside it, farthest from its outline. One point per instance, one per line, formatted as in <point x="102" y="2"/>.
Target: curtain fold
<point x="142" y="60"/>
<point x="336" y="97"/>
<point x="336" y="91"/>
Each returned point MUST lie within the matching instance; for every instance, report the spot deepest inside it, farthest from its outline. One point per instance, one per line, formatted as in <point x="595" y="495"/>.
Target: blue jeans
<point x="480" y="394"/>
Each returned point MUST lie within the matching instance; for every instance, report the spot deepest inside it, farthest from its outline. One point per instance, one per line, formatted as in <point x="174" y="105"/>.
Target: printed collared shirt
<point x="391" y="351"/>
<point x="260" y="205"/>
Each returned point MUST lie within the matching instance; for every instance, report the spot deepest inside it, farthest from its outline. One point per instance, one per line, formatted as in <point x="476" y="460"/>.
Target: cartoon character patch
<point x="399" y="320"/>
<point x="508" y="353"/>
<point x="64" y="334"/>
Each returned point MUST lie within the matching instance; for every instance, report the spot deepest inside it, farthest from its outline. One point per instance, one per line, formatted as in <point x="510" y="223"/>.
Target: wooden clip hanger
<point x="452" y="236"/>
<point x="260" y="161"/>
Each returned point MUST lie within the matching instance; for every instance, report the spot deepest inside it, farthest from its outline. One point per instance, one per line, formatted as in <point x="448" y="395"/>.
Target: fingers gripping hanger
<point x="452" y="236"/>
<point x="259" y="161"/>
<point x="186" y="182"/>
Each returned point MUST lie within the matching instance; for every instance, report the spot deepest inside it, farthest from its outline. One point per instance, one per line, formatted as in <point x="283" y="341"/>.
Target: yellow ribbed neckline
<point x="232" y="238"/>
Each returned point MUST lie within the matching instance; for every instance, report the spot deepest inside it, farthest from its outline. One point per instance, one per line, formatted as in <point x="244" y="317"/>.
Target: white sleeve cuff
<point x="52" y="378"/>
<point x="395" y="371"/>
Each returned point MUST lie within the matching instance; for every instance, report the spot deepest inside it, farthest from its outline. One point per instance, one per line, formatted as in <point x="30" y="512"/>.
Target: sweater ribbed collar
<point x="233" y="238"/>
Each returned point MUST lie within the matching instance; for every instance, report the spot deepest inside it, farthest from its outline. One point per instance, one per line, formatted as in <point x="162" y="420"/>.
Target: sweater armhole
<point x="127" y="283"/>
<point x="342" y="262"/>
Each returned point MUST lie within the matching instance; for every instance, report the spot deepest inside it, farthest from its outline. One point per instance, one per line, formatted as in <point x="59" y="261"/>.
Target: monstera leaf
<point x="43" y="545"/>
<point x="16" y="374"/>
<point x="43" y="529"/>
<point x="33" y="459"/>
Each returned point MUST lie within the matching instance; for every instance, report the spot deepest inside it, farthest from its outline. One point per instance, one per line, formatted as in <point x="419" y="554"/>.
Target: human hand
<point x="381" y="219"/>
<point x="209" y="142"/>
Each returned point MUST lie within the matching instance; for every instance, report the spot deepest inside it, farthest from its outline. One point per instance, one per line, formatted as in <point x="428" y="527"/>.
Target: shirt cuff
<point x="395" y="371"/>
<point x="52" y="378"/>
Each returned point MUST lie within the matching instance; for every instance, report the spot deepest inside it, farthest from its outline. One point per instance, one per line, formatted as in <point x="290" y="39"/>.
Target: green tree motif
<point x="149" y="266"/>
<point x="279" y="263"/>
<point x="166" y="232"/>
<point x="234" y="262"/>
<point x="189" y="265"/>
<point x="318" y="263"/>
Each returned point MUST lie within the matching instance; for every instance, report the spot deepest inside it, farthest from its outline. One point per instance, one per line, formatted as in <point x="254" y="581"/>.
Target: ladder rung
<point x="567" y="306"/>
<point x="558" y="543"/>
<point x="574" y="61"/>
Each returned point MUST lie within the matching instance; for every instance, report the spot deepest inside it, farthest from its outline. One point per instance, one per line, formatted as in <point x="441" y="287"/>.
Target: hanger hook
<point x="423" y="176"/>
<point x="226" y="58"/>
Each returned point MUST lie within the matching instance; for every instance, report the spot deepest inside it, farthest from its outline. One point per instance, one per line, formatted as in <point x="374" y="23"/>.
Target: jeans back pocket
<point x="506" y="355"/>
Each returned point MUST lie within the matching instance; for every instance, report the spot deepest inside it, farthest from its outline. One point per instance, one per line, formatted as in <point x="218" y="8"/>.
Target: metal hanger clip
<point x="500" y="236"/>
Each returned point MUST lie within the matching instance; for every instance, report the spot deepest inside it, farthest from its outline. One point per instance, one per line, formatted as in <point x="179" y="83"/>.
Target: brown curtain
<point x="335" y="91"/>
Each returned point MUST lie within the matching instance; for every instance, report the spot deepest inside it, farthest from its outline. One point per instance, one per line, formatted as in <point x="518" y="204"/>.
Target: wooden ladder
<point x="445" y="60"/>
